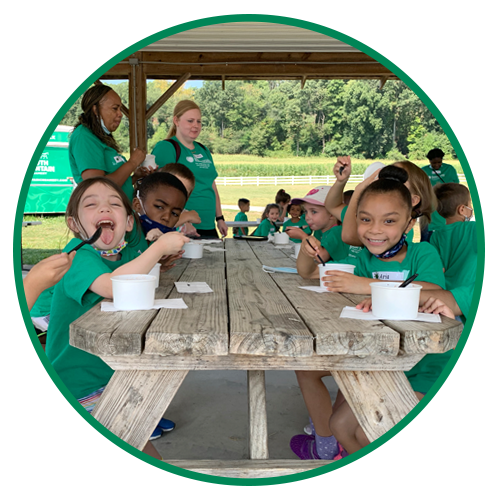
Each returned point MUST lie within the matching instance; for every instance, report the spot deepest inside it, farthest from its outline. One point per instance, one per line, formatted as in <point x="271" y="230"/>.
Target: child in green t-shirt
<point x="295" y="211"/>
<point x="269" y="220"/>
<point x="456" y="243"/>
<point x="384" y="216"/>
<point x="96" y="203"/>
<point x="244" y="206"/>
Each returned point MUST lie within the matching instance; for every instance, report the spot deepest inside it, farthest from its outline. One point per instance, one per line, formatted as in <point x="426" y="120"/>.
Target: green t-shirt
<point x="264" y="229"/>
<point x="200" y="162"/>
<point x="457" y="246"/>
<point x="87" y="152"/>
<point x="332" y="242"/>
<point x="446" y="173"/>
<point x="241" y="231"/>
<point x="81" y="372"/>
<point x="41" y="308"/>
<point x="421" y="258"/>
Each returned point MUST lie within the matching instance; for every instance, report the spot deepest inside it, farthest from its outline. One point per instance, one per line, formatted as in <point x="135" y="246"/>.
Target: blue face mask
<point x="147" y="224"/>
<point x="104" y="127"/>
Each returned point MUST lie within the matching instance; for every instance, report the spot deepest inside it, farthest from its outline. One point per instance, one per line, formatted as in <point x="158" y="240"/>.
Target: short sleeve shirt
<point x="200" y="162"/>
<point x="421" y="258"/>
<point x="457" y="246"/>
<point x="82" y="372"/>
<point x="265" y="227"/>
<point x="88" y="152"/>
<point x="240" y="231"/>
<point x="446" y="173"/>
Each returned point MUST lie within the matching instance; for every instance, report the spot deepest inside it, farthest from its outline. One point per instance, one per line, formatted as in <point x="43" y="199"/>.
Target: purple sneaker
<point x="341" y="454"/>
<point x="304" y="447"/>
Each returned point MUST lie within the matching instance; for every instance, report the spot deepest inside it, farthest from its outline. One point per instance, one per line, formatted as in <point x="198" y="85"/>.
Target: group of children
<point x="372" y="228"/>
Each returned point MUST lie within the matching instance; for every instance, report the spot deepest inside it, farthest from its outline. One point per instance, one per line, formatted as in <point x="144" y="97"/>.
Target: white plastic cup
<point x="192" y="251"/>
<point x="150" y="161"/>
<point x="347" y="268"/>
<point x="391" y="302"/>
<point x="297" y="249"/>
<point x="156" y="273"/>
<point x="281" y="239"/>
<point x="133" y="292"/>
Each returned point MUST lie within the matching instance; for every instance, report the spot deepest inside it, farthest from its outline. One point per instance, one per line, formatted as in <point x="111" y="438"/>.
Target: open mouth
<point x="108" y="228"/>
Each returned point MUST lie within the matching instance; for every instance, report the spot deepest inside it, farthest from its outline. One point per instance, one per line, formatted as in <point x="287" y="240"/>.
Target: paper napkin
<point x="192" y="287"/>
<point x="353" y="313"/>
<point x="158" y="304"/>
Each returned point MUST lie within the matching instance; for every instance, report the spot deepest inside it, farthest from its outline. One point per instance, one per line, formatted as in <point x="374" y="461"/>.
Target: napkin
<point x="316" y="289"/>
<point x="214" y="249"/>
<point x="192" y="287"/>
<point x="352" y="312"/>
<point x="158" y="304"/>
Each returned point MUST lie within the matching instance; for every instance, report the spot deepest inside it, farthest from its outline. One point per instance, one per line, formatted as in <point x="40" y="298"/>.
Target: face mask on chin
<point x="104" y="127"/>
<point x="147" y="224"/>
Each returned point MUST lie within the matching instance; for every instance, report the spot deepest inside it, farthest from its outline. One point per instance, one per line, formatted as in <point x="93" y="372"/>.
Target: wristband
<point x="221" y="217"/>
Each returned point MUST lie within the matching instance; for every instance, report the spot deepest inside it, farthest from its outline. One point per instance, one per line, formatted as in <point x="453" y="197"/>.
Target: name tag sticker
<point x="119" y="159"/>
<point x="390" y="275"/>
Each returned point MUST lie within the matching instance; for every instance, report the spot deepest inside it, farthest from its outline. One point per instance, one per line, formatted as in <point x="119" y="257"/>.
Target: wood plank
<point x="249" y="469"/>
<point x="257" y="414"/>
<point x="421" y="337"/>
<point x="321" y="313"/>
<point x="119" y="333"/>
<point x="167" y="95"/>
<point x="379" y="400"/>
<point x="202" y="328"/>
<point x="250" y="362"/>
<point x="134" y="402"/>
<point x="262" y="321"/>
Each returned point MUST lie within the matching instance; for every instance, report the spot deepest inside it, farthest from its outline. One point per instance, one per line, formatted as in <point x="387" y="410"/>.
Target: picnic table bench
<point x="252" y="321"/>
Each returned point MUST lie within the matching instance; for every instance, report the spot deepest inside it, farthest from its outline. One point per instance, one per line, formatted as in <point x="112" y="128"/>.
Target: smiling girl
<point x="270" y="217"/>
<point x="95" y="203"/>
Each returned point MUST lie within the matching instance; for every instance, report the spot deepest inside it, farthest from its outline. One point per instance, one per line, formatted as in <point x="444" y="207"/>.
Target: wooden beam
<point x="223" y="82"/>
<point x="302" y="82"/>
<point x="167" y="95"/>
<point x="125" y="110"/>
<point x="137" y="103"/>
<point x="98" y="82"/>
<point x="382" y="83"/>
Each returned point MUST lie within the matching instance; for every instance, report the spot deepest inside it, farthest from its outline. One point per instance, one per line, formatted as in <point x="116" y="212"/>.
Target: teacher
<point x="93" y="151"/>
<point x="180" y="146"/>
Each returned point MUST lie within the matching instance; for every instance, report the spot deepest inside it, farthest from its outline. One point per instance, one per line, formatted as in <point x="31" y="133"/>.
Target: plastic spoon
<point x="317" y="255"/>
<point x="91" y="240"/>
<point x="408" y="281"/>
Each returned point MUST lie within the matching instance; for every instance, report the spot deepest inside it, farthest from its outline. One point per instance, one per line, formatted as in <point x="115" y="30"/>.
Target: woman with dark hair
<point x="93" y="151"/>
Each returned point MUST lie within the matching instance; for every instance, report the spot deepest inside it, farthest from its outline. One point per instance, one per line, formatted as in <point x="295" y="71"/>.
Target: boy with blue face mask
<point x="160" y="199"/>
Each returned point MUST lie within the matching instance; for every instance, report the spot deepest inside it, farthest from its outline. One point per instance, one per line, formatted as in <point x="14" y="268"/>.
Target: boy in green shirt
<point x="244" y="206"/>
<point x="456" y="243"/>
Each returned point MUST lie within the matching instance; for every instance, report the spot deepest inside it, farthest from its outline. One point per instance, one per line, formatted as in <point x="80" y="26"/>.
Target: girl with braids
<point x="93" y="151"/>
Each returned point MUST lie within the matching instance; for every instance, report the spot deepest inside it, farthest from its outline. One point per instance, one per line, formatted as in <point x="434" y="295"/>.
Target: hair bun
<point x="393" y="173"/>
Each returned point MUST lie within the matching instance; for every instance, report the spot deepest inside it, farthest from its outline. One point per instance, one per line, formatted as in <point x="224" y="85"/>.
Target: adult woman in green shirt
<point x="93" y="151"/>
<point x="181" y="147"/>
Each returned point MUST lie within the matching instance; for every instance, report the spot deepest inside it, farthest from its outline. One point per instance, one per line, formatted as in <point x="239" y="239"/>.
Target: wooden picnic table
<point x="253" y="321"/>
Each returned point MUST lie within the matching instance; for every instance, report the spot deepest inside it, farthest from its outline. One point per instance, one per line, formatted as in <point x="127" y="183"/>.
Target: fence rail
<point x="293" y="180"/>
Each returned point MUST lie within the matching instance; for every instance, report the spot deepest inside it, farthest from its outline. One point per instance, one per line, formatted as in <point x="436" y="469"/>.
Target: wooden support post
<point x="223" y="82"/>
<point x="167" y="95"/>
<point x="379" y="400"/>
<point x="125" y="110"/>
<point x="134" y="402"/>
<point x="137" y="103"/>
<point x="98" y="82"/>
<point x="303" y="82"/>
<point x="257" y="415"/>
<point x="383" y="81"/>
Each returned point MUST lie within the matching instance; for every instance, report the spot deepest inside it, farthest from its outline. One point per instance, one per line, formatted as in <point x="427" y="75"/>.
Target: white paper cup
<point x="192" y="251"/>
<point x="281" y="239"/>
<point x="150" y="161"/>
<point x="347" y="268"/>
<point x="156" y="273"/>
<point x="391" y="302"/>
<point x="133" y="292"/>
<point x="297" y="249"/>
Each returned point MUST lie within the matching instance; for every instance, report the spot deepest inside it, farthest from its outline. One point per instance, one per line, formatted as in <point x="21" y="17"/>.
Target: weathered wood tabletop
<point x="252" y="321"/>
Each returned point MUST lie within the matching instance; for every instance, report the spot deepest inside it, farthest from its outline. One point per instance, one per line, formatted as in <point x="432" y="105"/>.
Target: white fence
<point x="293" y="180"/>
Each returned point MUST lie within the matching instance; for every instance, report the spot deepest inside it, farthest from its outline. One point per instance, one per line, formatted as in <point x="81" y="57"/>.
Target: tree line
<point x="280" y="119"/>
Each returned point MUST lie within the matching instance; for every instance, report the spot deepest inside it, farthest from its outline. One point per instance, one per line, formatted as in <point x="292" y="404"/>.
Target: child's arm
<point x="296" y="233"/>
<point x="307" y="261"/>
<point x="45" y="274"/>
<point x="431" y="301"/>
<point x="349" y="224"/>
<point x="190" y="216"/>
<point x="340" y="281"/>
<point x="333" y="202"/>
<point x="168" y="244"/>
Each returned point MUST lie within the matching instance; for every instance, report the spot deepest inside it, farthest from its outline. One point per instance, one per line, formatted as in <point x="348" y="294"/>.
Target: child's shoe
<point x="304" y="447"/>
<point x="157" y="433"/>
<point x="341" y="454"/>
<point x="166" y="425"/>
<point x="308" y="429"/>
